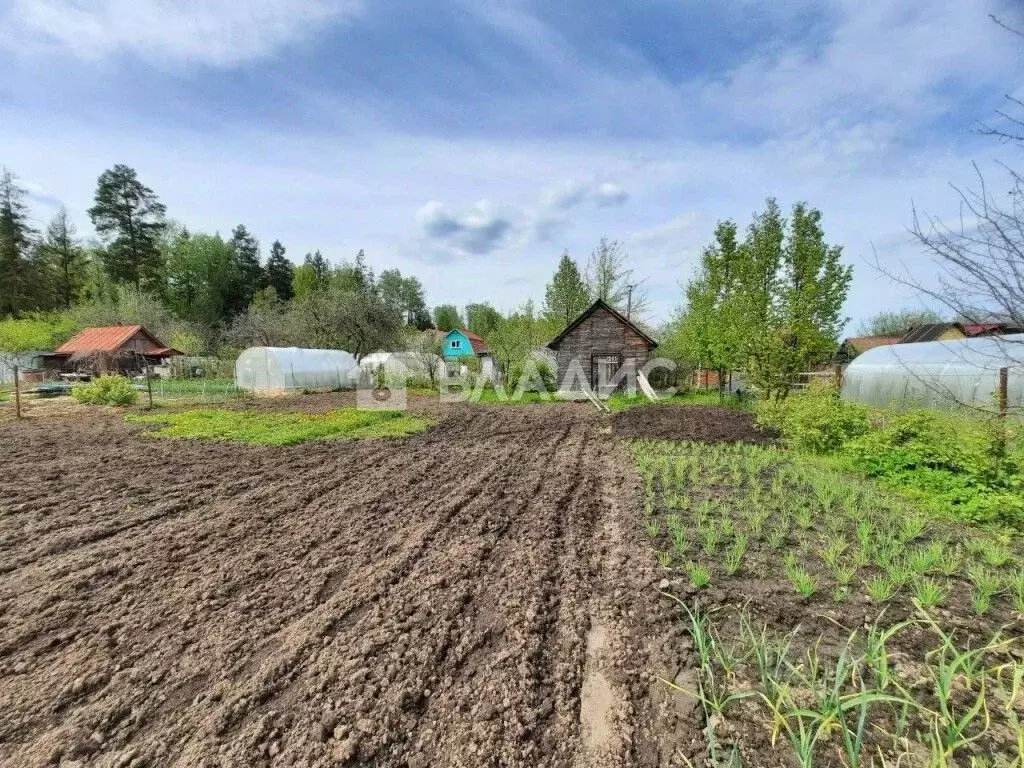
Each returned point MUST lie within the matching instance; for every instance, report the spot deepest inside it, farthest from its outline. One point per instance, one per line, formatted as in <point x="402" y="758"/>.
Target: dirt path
<point x="475" y="596"/>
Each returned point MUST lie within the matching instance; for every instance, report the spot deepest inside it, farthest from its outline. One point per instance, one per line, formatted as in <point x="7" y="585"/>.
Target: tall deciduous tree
<point x="19" y="284"/>
<point x="770" y="305"/>
<point x="709" y="328"/>
<point x="482" y="318"/>
<point x="313" y="276"/>
<point x="610" y="278"/>
<point x="251" y="277"/>
<point x="65" y="259"/>
<point x="567" y="295"/>
<point x="280" y="272"/>
<point x="404" y="294"/>
<point x="897" y="322"/>
<point x="202" y="279"/>
<point x="129" y="217"/>
<point x="447" y="317"/>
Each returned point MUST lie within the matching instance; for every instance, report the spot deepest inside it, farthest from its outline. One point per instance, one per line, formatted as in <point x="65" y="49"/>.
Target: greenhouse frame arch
<point x="939" y="374"/>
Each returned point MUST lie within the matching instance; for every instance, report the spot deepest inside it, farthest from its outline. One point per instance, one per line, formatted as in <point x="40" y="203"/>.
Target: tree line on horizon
<point x="204" y="293"/>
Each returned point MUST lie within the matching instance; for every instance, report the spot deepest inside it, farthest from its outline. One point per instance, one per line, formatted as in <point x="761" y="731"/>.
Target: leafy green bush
<point x="816" y="420"/>
<point x="533" y="376"/>
<point x="969" y="467"/>
<point x="105" y="390"/>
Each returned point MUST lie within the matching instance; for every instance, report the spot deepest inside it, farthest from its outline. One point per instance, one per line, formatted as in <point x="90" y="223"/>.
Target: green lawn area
<point x="280" y="428"/>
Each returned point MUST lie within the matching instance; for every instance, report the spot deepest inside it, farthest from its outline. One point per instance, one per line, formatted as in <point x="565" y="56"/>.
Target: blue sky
<point x="469" y="143"/>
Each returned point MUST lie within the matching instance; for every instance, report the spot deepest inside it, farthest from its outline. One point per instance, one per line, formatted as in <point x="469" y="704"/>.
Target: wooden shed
<point x="603" y="347"/>
<point x="126" y="349"/>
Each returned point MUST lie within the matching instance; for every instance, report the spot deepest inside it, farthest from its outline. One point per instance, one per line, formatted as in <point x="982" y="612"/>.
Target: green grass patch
<point x="258" y="428"/>
<point x="5" y="395"/>
<point x="620" y="400"/>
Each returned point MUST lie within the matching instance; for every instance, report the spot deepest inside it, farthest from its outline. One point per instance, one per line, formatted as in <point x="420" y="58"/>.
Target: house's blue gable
<point x="457" y="345"/>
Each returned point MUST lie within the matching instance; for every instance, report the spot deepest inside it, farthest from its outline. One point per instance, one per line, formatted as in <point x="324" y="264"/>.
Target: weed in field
<point x="710" y="537"/>
<point x="1016" y="585"/>
<point x="929" y="593"/>
<point x="665" y="559"/>
<point x="803" y="582"/>
<point x="987" y="585"/>
<point x="734" y="555"/>
<point x="778" y="535"/>
<point x="653" y="528"/>
<point x="699" y="575"/>
<point x="833" y="551"/>
<point x="995" y="553"/>
<point x="912" y="525"/>
<point x="881" y="588"/>
<point x="900" y="572"/>
<point x="843" y="573"/>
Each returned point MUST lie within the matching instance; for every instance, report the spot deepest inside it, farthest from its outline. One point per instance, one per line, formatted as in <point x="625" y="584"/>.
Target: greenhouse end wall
<point x="290" y="368"/>
<point x="938" y="374"/>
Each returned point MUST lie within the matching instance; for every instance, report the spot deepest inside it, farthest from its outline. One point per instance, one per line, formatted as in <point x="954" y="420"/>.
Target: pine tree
<point x="129" y="217"/>
<point x="64" y="258"/>
<point x="567" y="295"/>
<point x="19" y="285"/>
<point x="280" y="272"/>
<point x="251" y="276"/>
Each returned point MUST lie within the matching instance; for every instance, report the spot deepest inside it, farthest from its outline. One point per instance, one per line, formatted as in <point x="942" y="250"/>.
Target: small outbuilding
<point x="125" y="349"/>
<point x="602" y="346"/>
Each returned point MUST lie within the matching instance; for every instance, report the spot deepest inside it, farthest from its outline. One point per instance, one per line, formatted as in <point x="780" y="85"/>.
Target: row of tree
<point x="768" y="303"/>
<point x="194" y="285"/>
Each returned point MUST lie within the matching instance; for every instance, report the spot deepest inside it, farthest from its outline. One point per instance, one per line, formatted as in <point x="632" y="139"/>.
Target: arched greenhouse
<point x="283" y="368"/>
<point x="938" y="374"/>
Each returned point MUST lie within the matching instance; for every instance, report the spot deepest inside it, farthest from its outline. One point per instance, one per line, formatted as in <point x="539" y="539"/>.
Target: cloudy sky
<point x="471" y="142"/>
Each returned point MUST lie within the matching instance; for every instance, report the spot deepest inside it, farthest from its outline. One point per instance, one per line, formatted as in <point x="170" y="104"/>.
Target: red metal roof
<point x="109" y="338"/>
<point x="477" y="342"/>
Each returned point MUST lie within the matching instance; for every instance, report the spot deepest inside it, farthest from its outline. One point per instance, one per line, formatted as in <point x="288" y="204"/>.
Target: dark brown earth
<point x="702" y="423"/>
<point x="479" y="595"/>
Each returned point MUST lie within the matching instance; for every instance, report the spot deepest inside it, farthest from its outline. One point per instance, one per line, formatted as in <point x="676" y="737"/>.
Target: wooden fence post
<point x="1004" y="380"/>
<point x="17" y="393"/>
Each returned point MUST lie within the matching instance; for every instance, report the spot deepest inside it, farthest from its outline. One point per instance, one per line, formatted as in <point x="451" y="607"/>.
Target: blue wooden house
<point x="460" y="343"/>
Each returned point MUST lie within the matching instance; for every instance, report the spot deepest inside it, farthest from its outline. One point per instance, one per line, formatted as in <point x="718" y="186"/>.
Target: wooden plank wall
<point x="602" y="333"/>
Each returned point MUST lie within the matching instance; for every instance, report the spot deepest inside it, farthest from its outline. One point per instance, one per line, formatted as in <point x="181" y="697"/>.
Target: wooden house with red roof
<point x="127" y="349"/>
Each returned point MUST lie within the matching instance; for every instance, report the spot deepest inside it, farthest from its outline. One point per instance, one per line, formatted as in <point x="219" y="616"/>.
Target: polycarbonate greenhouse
<point x="399" y="363"/>
<point x="938" y="374"/>
<point x="282" y="368"/>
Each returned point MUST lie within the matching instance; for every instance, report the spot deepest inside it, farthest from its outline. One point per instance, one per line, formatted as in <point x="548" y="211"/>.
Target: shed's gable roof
<point x="107" y="338"/>
<point x="929" y="332"/>
<point x="600" y="304"/>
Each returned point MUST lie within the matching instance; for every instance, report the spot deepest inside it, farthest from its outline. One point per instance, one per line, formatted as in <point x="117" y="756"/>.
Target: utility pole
<point x="629" y="300"/>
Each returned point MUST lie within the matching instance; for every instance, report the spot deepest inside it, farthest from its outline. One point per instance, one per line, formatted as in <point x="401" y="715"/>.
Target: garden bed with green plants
<point x="830" y="621"/>
<point x="267" y="428"/>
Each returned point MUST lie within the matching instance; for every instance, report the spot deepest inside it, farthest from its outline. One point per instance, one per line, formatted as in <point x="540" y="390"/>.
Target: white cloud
<point x="570" y="194"/>
<point x="211" y="32"/>
<point x="896" y="58"/>
<point x="476" y="231"/>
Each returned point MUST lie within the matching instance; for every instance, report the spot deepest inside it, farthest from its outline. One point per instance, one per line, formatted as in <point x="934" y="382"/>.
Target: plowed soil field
<point x="479" y="595"/>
